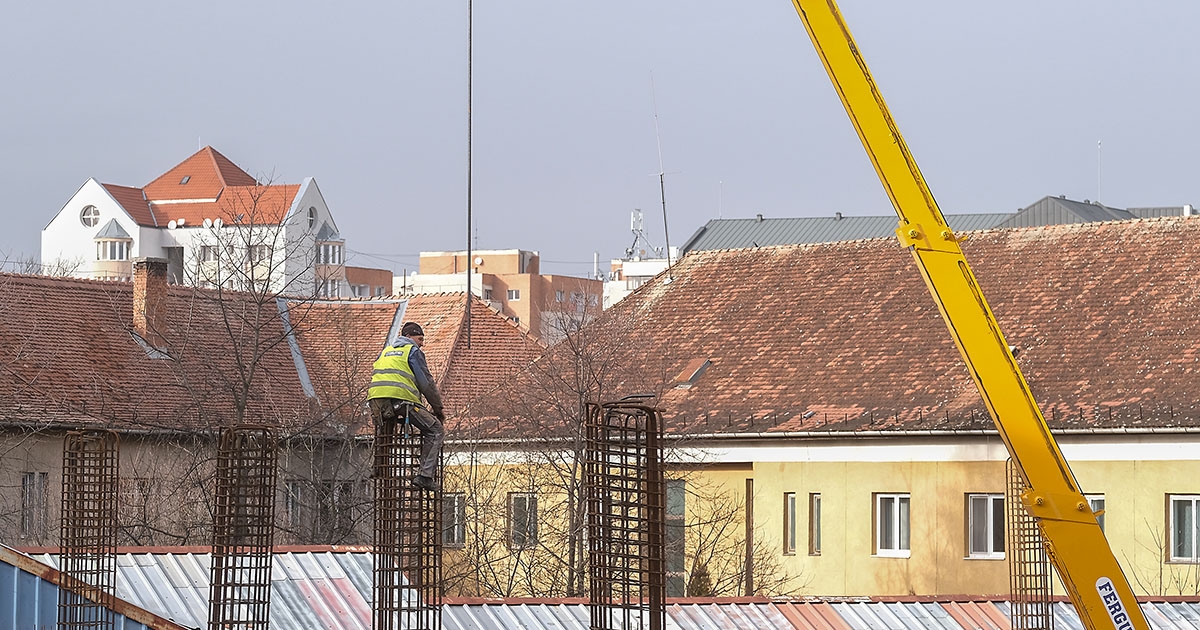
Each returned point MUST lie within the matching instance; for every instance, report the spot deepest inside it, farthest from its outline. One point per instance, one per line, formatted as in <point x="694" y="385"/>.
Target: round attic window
<point x="312" y="216"/>
<point x="90" y="216"/>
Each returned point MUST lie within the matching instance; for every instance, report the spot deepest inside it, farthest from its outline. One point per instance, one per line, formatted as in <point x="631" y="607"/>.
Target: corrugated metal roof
<point x="742" y="233"/>
<point x="1061" y="211"/>
<point x="332" y="589"/>
<point x="29" y="598"/>
<point x="1154" y="212"/>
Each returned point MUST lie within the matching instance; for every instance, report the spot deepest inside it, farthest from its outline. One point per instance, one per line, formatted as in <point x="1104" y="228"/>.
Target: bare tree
<point x="30" y="265"/>
<point x="548" y="400"/>
<point x="1159" y="577"/>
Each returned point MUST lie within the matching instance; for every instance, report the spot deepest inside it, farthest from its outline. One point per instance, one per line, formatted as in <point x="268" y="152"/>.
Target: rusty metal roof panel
<point x="525" y="616"/>
<point x="321" y="590"/>
<point x="29" y="598"/>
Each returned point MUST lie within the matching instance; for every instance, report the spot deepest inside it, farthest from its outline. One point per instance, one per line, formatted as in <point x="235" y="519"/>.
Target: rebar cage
<point x="88" y="534"/>
<point x="1029" y="568"/>
<point x="407" y="534"/>
<point x="626" y="515"/>
<point x="243" y="529"/>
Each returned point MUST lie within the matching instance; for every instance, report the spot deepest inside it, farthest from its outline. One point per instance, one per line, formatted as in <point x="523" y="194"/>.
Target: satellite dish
<point x="171" y="224"/>
<point x="478" y="260"/>
<point x="208" y="223"/>
<point x="180" y="222"/>
<point x="217" y="223"/>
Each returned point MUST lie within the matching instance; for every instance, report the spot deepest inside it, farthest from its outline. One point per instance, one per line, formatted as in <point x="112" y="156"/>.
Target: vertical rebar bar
<point x="1028" y="563"/>
<point x="626" y="512"/>
<point x="407" y="534"/>
<point x="243" y="529"/>
<point x="88" y="534"/>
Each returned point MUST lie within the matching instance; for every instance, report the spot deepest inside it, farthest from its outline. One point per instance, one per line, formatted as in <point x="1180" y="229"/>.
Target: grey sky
<point x="1001" y="103"/>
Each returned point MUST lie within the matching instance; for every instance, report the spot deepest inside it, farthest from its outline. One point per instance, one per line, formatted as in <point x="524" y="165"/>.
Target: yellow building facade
<point x="924" y="515"/>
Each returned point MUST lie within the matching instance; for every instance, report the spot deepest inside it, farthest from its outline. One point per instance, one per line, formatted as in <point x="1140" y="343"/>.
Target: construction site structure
<point x="88" y="534"/>
<point x="1074" y="540"/>
<point x="407" y="534"/>
<point x="1029" y="575"/>
<point x="625" y="491"/>
<point x="243" y="529"/>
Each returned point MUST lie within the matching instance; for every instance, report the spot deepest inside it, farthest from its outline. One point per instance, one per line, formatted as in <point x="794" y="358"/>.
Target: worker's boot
<point x="425" y="483"/>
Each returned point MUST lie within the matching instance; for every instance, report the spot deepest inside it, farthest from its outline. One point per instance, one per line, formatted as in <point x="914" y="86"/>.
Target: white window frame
<point x="789" y="523"/>
<point x="983" y="510"/>
<point x="259" y="254"/>
<point x="1184" y="543"/>
<point x="454" y="519"/>
<point x="293" y="503"/>
<point x="514" y="295"/>
<point x="112" y="250"/>
<point x="89" y="216"/>
<point x="1096" y="502"/>
<point x="675" y="537"/>
<point x="528" y="533"/>
<point x="814" y="523"/>
<point x="35" y="504"/>
<point x="893" y="525"/>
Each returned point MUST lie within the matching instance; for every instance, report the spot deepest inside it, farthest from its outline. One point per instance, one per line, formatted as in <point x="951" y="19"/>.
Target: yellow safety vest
<point x="393" y="378"/>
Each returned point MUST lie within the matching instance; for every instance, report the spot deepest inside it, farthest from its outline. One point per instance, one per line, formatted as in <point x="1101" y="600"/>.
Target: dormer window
<point x="113" y="242"/>
<point x="90" y="216"/>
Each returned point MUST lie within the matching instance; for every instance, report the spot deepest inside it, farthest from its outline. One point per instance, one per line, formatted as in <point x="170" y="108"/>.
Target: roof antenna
<point x="662" y="188"/>
<point x="470" y="86"/>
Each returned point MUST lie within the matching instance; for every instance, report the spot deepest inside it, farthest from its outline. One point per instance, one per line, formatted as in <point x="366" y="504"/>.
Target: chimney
<point x="150" y="298"/>
<point x="758" y="218"/>
<point x="837" y="216"/>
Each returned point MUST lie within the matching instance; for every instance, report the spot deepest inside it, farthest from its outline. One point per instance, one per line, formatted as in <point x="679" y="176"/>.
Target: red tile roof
<point x="207" y="173"/>
<point x="206" y="185"/>
<point x="844" y="336"/>
<point x="340" y="340"/>
<point x="134" y="203"/>
<point x="68" y="356"/>
<point x="256" y="205"/>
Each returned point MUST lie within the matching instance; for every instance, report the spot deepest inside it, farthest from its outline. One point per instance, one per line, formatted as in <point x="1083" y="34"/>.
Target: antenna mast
<point x="662" y="186"/>
<point x="470" y="58"/>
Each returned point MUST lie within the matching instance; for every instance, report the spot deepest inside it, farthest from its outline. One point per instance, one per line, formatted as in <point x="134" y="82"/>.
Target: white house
<point x="214" y="224"/>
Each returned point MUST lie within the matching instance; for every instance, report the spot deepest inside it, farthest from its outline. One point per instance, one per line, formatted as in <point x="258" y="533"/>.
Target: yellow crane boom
<point x="1074" y="540"/>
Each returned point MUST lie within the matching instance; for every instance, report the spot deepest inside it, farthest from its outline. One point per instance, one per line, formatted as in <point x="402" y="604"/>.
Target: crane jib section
<point x="1076" y="544"/>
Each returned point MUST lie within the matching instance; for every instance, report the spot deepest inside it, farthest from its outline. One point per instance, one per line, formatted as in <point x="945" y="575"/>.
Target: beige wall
<point x="1135" y="520"/>
<point x="508" y="261"/>
<point x="166" y="490"/>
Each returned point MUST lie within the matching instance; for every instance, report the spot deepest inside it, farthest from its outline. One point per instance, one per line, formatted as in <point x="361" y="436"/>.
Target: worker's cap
<point x="412" y="329"/>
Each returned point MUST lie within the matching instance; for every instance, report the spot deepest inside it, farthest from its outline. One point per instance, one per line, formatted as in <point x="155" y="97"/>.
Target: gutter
<point x="832" y="435"/>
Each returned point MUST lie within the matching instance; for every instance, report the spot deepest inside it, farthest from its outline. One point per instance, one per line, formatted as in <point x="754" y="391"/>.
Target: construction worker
<point x="401" y="376"/>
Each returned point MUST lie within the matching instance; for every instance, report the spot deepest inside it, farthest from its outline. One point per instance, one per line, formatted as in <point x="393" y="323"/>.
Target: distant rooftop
<point x="761" y="231"/>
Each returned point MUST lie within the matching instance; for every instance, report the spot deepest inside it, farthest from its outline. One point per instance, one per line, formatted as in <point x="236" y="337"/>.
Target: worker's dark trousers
<point x="432" y="432"/>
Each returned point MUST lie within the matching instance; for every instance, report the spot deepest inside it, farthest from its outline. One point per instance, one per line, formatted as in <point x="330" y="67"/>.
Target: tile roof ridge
<point x="218" y="166"/>
<point x="44" y="279"/>
<point x="358" y="299"/>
